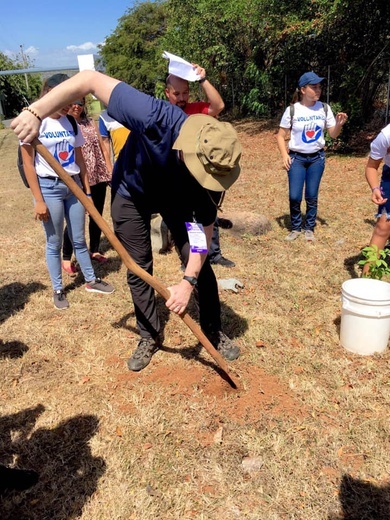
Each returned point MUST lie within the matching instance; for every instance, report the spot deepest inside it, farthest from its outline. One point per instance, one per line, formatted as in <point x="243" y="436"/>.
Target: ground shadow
<point x="350" y="265"/>
<point x="337" y="324"/>
<point x="233" y="326"/>
<point x="12" y="349"/>
<point x="68" y="472"/>
<point x="284" y="221"/>
<point x="362" y="500"/>
<point x="14" y="297"/>
<point x="255" y="126"/>
<point x="372" y="222"/>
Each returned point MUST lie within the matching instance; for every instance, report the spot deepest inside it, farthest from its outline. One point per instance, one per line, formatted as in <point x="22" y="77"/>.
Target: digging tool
<point x="126" y="258"/>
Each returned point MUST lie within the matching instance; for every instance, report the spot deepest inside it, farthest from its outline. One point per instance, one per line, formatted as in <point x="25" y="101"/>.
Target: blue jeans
<point x="385" y="190"/>
<point x="305" y="171"/>
<point x="63" y="204"/>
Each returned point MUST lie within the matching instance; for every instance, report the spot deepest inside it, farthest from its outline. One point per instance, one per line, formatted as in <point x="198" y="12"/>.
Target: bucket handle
<point x="374" y="313"/>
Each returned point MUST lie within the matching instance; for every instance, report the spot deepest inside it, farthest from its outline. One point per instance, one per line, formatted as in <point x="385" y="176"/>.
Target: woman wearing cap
<point x="172" y="164"/>
<point x="306" y="120"/>
<point x="99" y="168"/>
<point x="53" y="199"/>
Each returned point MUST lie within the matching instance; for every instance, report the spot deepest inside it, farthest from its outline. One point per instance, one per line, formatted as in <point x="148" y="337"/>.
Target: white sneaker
<point x="309" y="235"/>
<point x="293" y="235"/>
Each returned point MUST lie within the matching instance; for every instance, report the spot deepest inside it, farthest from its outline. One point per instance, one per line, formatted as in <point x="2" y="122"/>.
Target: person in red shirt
<point x="178" y="92"/>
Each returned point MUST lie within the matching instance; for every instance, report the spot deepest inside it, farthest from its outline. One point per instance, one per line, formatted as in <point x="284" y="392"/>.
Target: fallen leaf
<point x="252" y="464"/>
<point x="118" y="431"/>
<point x="218" y="435"/>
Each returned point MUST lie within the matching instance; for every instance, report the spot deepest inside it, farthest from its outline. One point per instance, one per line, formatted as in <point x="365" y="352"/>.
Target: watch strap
<point x="191" y="279"/>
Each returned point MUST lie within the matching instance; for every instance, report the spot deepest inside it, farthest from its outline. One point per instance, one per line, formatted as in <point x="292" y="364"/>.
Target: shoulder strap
<point x="325" y="106"/>
<point x="74" y="124"/>
<point x="292" y="110"/>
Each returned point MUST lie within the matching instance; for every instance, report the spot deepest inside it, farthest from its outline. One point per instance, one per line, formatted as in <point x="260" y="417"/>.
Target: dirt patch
<point x="258" y="392"/>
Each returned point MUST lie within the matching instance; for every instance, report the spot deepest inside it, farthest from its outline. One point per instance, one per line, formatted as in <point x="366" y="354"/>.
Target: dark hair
<point x="169" y="79"/>
<point x="84" y="114"/>
<point x="52" y="82"/>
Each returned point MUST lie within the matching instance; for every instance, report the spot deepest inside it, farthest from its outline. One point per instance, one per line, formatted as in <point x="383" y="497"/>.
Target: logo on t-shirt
<point x="64" y="153"/>
<point x="311" y="133"/>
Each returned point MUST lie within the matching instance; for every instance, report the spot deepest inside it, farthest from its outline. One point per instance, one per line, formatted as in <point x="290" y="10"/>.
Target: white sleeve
<point x="330" y="119"/>
<point x="285" y="122"/>
<point x="379" y="147"/>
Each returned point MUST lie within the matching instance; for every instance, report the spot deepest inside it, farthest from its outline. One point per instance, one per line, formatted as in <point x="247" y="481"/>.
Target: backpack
<point x="325" y="106"/>
<point x="19" y="161"/>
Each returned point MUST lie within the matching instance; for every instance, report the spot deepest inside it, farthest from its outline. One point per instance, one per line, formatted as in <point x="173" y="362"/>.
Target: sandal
<point x="99" y="258"/>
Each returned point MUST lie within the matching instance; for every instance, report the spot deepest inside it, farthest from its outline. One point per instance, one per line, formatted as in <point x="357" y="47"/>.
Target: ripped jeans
<point x="305" y="171"/>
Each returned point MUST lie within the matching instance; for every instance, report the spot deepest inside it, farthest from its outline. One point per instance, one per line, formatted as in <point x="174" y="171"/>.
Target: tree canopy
<point x="15" y="92"/>
<point x="255" y="50"/>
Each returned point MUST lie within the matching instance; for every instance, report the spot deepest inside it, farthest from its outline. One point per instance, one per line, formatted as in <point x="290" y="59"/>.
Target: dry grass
<point x="168" y="443"/>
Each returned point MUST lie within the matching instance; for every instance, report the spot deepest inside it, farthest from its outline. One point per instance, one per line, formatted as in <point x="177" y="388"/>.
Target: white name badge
<point x="197" y="237"/>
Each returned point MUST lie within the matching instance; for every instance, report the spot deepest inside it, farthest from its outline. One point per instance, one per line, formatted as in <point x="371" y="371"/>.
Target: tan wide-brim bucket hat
<point x="211" y="151"/>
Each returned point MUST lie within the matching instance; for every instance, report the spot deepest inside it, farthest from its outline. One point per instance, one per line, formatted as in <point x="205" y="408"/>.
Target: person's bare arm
<point x="180" y="293"/>
<point x="105" y="149"/>
<point x="83" y="171"/>
<point x="28" y="157"/>
<point x="212" y="94"/>
<point x="281" y="141"/>
<point x="372" y="179"/>
<point x="26" y="125"/>
<point x="334" y="131"/>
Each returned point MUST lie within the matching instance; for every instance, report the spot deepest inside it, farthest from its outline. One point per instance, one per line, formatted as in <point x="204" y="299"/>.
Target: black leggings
<point x="98" y="192"/>
<point x="132" y="227"/>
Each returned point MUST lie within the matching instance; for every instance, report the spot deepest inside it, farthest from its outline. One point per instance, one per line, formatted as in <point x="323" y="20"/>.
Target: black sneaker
<point x="143" y="354"/>
<point x="60" y="301"/>
<point x="221" y="260"/>
<point x="224" y="345"/>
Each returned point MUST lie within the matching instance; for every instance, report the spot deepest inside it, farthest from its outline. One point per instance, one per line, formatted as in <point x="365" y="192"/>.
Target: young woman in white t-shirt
<point x="304" y="160"/>
<point x="380" y="193"/>
<point x="53" y="199"/>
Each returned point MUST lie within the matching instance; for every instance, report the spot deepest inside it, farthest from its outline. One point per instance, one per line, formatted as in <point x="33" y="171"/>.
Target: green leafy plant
<point x="376" y="259"/>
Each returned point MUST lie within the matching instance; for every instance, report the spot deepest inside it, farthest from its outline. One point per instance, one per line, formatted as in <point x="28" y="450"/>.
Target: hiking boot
<point x="309" y="235"/>
<point x="60" y="301"/>
<point x="143" y="354"/>
<point x="224" y="345"/>
<point x="293" y="235"/>
<point x="221" y="260"/>
<point x="99" y="286"/>
<point x="224" y="223"/>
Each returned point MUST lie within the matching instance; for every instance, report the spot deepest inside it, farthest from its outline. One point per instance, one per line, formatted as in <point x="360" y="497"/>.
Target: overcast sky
<point x="53" y="36"/>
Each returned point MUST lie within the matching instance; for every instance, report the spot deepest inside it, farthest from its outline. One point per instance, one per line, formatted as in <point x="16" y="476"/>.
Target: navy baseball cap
<point x="309" y="78"/>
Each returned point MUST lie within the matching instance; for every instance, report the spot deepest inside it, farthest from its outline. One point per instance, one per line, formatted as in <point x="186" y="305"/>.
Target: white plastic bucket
<point x="365" y="316"/>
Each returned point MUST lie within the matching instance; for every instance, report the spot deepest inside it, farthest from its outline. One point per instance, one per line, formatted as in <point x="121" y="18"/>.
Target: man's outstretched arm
<point x="26" y="125"/>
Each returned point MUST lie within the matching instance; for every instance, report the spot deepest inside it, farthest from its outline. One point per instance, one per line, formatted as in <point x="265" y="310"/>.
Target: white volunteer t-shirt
<point x="380" y="146"/>
<point x="58" y="137"/>
<point x="307" y="132"/>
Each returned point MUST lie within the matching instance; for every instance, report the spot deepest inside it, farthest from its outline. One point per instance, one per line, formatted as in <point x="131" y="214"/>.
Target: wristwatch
<point x="192" y="280"/>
